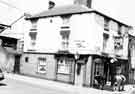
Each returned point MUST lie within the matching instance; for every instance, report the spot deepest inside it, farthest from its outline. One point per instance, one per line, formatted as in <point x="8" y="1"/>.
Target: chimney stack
<point x="87" y="3"/>
<point x="51" y="4"/>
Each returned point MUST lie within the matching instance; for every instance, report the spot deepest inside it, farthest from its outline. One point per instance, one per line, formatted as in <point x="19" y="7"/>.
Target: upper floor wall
<point x="71" y="32"/>
<point x="114" y="34"/>
<point x="86" y="33"/>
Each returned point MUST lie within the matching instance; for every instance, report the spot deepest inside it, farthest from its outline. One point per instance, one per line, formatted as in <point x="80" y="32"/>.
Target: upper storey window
<point x="99" y="20"/>
<point x="124" y="31"/>
<point x="106" y="24"/>
<point x="105" y="41"/>
<point x="66" y="19"/>
<point x="34" y="24"/>
<point x="119" y="29"/>
<point x="113" y="26"/>
<point x="65" y="31"/>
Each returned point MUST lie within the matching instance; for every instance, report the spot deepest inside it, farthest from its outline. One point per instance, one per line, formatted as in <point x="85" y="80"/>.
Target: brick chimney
<point x="87" y="3"/>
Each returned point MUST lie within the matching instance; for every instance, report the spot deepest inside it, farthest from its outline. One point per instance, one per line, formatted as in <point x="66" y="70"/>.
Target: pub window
<point x="20" y="45"/>
<point x="26" y="59"/>
<point x="113" y="26"/>
<point x="105" y="40"/>
<point x="99" y="66"/>
<point x="33" y="36"/>
<point x="65" y="33"/>
<point x="123" y="30"/>
<point x="34" y="24"/>
<point x="118" y="43"/>
<point x="66" y="19"/>
<point x="42" y="65"/>
<point x="106" y="24"/>
<point x="64" y="66"/>
<point x="119" y="29"/>
<point x="99" y="20"/>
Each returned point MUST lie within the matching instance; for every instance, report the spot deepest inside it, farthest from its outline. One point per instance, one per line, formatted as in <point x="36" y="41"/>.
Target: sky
<point x="118" y="9"/>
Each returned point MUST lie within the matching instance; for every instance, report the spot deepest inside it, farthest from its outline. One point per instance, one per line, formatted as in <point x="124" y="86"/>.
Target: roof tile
<point x="56" y="11"/>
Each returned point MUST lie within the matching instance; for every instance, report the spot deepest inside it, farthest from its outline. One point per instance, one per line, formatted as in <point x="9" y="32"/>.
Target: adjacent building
<point x="131" y="58"/>
<point x="11" y="44"/>
<point x="8" y="46"/>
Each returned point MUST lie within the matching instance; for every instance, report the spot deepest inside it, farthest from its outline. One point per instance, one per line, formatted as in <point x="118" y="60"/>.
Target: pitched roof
<point x="69" y="9"/>
<point x="62" y="10"/>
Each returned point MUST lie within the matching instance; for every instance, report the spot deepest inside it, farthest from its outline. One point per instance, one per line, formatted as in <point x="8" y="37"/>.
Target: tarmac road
<point x="11" y="86"/>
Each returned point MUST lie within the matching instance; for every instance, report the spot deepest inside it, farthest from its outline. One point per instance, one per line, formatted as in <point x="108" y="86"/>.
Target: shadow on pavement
<point x="3" y="84"/>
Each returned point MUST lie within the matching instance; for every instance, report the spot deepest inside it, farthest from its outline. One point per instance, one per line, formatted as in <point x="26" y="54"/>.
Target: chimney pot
<point x="51" y="5"/>
<point x="83" y="2"/>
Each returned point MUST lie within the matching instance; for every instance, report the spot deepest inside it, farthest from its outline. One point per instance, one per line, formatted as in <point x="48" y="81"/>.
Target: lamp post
<point x="76" y="56"/>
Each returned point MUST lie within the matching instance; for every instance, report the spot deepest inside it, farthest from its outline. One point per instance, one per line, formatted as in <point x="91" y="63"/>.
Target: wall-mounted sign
<point x="80" y="43"/>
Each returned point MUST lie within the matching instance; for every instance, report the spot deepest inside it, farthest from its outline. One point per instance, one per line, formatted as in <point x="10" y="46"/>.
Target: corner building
<point x="73" y="43"/>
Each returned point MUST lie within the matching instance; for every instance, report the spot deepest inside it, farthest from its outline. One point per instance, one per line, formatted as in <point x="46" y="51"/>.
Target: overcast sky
<point x="119" y="9"/>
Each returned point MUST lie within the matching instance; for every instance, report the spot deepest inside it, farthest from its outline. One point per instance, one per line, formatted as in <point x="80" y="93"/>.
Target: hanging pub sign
<point x="42" y="65"/>
<point x="118" y="43"/>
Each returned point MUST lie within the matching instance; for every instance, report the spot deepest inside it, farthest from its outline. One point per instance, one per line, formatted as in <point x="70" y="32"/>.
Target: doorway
<point x="79" y="73"/>
<point x="17" y="64"/>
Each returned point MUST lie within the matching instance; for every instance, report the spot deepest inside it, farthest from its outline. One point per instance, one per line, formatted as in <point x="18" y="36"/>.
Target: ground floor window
<point x="41" y="65"/>
<point x="64" y="65"/>
<point x="99" y="66"/>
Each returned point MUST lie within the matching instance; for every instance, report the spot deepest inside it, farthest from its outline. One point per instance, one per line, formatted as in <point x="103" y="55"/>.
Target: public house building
<point x="74" y="43"/>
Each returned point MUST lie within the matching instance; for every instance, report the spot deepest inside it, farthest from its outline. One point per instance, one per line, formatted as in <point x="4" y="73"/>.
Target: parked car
<point x="1" y="75"/>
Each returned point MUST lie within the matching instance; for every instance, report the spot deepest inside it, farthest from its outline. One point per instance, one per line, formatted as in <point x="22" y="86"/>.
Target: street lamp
<point x="113" y="60"/>
<point x="77" y="56"/>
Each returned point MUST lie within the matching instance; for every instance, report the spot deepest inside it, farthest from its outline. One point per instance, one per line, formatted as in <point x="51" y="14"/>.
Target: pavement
<point x="129" y="89"/>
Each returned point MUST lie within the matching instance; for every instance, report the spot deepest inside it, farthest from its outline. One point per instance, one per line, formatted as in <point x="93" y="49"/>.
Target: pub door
<point x="17" y="64"/>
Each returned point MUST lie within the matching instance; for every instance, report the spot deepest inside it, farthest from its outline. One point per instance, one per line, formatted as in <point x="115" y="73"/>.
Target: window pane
<point x="64" y="66"/>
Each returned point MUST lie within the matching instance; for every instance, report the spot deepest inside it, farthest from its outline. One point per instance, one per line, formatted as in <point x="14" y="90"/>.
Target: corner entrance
<point x="79" y="72"/>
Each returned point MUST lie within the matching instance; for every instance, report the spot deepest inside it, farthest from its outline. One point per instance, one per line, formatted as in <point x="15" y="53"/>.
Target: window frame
<point x="66" y="65"/>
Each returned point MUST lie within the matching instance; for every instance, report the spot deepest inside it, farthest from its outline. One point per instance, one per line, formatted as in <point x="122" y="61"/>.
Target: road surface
<point x="15" y="86"/>
<point x="11" y="86"/>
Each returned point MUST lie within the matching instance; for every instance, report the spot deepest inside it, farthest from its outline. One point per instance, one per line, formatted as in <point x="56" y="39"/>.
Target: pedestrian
<point x="118" y="81"/>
